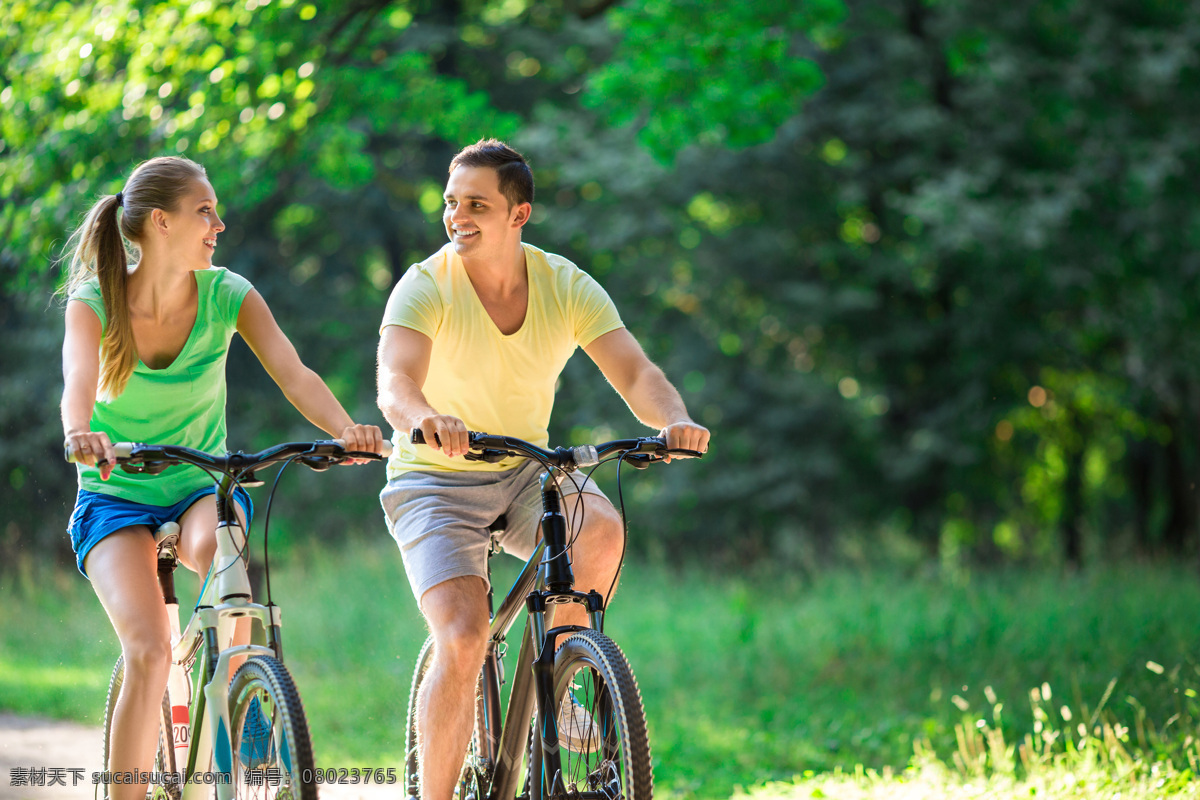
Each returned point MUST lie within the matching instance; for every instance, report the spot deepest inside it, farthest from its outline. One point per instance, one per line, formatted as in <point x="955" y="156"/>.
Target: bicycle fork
<point x="533" y="691"/>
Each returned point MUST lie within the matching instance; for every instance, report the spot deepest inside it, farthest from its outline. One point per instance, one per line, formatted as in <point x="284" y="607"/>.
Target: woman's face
<point x="193" y="227"/>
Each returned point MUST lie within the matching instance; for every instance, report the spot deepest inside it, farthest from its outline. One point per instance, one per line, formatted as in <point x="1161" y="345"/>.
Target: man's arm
<point x="403" y="366"/>
<point x="646" y="390"/>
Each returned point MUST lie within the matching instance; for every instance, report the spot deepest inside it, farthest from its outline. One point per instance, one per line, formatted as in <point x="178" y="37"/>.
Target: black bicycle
<point x="567" y="672"/>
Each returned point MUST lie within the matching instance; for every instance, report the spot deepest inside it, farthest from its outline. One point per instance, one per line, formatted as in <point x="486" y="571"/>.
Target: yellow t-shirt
<point x="495" y="383"/>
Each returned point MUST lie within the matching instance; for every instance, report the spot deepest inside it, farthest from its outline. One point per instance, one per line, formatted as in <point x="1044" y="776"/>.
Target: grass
<point x="764" y="685"/>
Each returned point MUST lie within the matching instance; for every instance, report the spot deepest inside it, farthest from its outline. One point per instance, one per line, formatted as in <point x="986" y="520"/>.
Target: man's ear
<point x="521" y="214"/>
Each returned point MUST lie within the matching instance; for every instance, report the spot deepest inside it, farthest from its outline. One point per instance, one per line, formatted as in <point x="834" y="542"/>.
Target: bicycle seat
<point x="167" y="535"/>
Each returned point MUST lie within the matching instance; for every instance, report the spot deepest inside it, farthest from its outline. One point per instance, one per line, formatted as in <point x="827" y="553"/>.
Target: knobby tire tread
<point x="592" y="649"/>
<point x="269" y="675"/>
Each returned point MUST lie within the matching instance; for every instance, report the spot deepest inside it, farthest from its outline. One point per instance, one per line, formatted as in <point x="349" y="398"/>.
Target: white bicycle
<point x="248" y="737"/>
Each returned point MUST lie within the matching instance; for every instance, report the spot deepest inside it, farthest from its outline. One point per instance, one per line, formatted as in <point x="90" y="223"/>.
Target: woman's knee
<point x="147" y="656"/>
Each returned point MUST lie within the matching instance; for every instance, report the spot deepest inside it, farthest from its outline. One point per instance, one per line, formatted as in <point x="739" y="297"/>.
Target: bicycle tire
<point x="164" y="756"/>
<point x="280" y="765"/>
<point x="473" y="780"/>
<point x="613" y="755"/>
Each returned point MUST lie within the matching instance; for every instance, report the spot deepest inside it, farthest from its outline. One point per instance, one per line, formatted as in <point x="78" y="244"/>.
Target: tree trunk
<point x="1141" y="467"/>
<point x="1180" y="492"/>
<point x="1073" y="507"/>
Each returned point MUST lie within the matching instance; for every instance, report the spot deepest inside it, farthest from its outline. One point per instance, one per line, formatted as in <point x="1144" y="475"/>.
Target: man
<point x="474" y="338"/>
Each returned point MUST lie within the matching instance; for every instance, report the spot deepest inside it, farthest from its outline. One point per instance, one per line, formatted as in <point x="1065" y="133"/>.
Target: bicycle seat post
<point x="179" y="685"/>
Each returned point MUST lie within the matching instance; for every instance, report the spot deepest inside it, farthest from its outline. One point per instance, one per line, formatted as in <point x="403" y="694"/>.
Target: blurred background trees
<point x="928" y="269"/>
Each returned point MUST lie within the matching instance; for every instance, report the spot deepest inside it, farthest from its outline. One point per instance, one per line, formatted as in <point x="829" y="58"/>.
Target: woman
<point x="144" y="360"/>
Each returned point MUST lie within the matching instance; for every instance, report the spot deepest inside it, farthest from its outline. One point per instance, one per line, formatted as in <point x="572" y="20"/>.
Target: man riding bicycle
<point x="474" y="338"/>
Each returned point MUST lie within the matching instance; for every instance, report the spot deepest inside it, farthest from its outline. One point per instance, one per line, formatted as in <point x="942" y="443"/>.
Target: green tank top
<point x="182" y="404"/>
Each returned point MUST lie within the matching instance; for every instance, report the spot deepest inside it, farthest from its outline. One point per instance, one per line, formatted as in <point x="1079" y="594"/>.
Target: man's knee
<point x="458" y="621"/>
<point x="601" y="529"/>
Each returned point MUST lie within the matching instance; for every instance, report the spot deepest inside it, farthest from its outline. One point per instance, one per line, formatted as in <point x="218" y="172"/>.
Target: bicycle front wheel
<point x="603" y="744"/>
<point x="272" y="752"/>
<point x="472" y="780"/>
<point x="164" y="756"/>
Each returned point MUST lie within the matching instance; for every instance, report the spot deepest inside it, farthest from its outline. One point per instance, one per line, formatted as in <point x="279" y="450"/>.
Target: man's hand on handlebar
<point x="685" y="435"/>
<point x="444" y="432"/>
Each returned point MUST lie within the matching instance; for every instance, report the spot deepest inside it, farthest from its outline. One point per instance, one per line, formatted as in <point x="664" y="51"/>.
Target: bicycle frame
<point x="224" y="598"/>
<point x="535" y="657"/>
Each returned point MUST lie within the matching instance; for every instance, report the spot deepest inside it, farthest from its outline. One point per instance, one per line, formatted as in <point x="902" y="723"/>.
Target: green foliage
<point x="730" y="76"/>
<point x="857" y="236"/>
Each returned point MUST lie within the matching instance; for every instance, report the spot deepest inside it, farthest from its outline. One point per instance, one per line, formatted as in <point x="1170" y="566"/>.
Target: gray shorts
<point x="440" y="520"/>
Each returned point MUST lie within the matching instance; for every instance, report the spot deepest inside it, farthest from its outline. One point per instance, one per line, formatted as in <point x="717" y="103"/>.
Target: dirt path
<point x="44" y="759"/>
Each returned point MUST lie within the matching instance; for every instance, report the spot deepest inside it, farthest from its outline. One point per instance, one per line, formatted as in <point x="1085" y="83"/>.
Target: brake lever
<point x="144" y="467"/>
<point x="487" y="454"/>
<point x="316" y="463"/>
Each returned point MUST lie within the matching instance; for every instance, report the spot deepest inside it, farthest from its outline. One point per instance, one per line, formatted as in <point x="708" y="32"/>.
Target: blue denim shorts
<point x="99" y="515"/>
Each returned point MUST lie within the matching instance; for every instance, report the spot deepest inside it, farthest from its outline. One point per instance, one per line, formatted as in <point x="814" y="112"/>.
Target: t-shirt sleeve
<point x="593" y="313"/>
<point x="229" y="290"/>
<point x="88" y="293"/>
<point x="415" y="303"/>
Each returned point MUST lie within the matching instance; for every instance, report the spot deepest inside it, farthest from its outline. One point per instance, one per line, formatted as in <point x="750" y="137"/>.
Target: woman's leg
<point x="123" y="569"/>
<point x="198" y="546"/>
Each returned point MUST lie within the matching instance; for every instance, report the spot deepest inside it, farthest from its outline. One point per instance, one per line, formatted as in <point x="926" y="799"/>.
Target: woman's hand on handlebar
<point x="92" y="448"/>
<point x="446" y="433"/>
<point x="362" y="439"/>
<point x="685" y="435"/>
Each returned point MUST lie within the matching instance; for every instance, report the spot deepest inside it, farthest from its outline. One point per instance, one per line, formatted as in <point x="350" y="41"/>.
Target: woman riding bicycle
<point x="144" y="360"/>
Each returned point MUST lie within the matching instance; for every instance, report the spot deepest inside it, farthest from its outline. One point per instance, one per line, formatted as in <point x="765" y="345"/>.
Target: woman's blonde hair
<point x="103" y="244"/>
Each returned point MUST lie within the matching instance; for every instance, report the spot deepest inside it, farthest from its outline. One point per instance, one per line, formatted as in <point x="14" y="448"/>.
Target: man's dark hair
<point x="516" y="179"/>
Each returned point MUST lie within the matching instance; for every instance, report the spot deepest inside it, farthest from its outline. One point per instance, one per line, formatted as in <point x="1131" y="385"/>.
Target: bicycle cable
<point x="267" y="523"/>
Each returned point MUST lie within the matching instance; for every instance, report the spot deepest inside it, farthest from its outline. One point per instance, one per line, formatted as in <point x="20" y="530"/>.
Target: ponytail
<point x="100" y="250"/>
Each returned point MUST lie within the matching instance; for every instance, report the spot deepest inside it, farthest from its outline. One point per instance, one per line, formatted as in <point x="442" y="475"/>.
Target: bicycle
<point x="205" y="741"/>
<point x="606" y="759"/>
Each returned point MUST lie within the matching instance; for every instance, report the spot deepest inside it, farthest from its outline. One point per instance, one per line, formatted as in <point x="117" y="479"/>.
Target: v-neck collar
<point x="482" y="309"/>
<point x="187" y="345"/>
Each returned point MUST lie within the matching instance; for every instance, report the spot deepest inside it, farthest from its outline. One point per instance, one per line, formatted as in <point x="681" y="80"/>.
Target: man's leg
<point x="596" y="554"/>
<point x="456" y="611"/>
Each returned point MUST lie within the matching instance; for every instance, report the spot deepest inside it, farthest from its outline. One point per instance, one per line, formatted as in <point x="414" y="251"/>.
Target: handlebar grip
<point x="123" y="450"/>
<point x="417" y="436"/>
<point x="384" y="451"/>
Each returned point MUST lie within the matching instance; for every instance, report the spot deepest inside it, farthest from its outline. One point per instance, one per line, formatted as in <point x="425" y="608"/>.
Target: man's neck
<point x="498" y="275"/>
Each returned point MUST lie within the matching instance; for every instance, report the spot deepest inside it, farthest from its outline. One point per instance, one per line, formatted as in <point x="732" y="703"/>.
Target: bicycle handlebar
<point x="639" y="451"/>
<point x="154" y="458"/>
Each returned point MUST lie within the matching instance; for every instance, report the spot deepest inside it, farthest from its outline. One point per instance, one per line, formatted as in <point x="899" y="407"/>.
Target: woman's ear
<point x="158" y="220"/>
